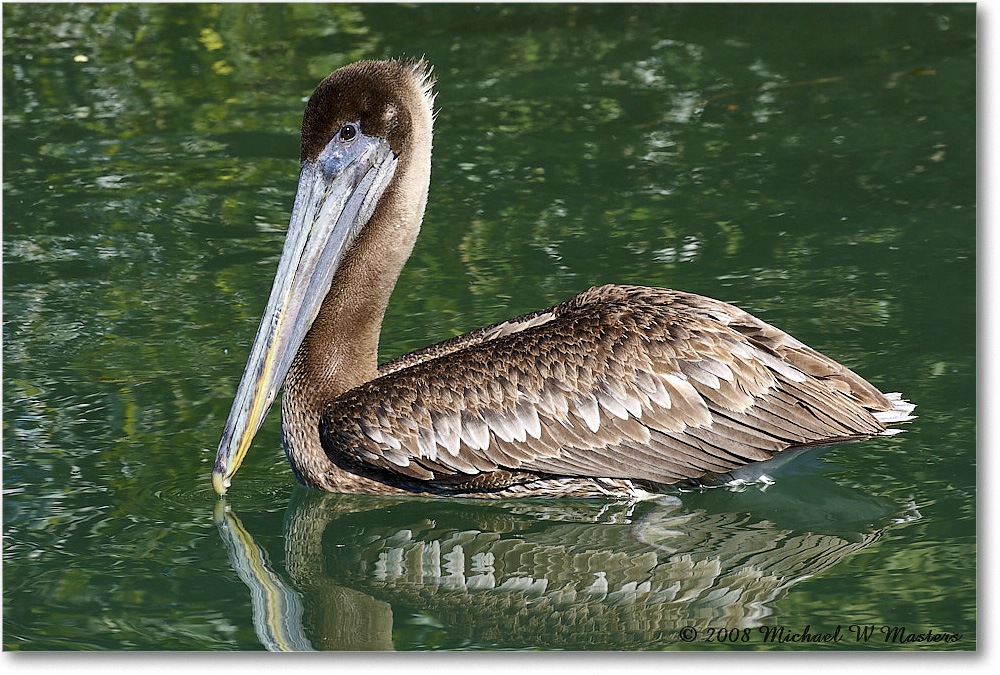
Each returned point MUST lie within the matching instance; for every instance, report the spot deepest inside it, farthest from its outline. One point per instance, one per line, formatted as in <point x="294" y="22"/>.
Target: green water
<point x="814" y="165"/>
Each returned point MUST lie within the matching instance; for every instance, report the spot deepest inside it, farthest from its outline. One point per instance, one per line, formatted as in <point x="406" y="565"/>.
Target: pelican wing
<point x="618" y="382"/>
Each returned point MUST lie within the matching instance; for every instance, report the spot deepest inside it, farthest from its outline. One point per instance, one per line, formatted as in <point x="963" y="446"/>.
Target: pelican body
<point x="619" y="391"/>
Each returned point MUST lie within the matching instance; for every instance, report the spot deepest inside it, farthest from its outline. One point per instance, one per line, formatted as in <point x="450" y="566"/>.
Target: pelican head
<point x="365" y="159"/>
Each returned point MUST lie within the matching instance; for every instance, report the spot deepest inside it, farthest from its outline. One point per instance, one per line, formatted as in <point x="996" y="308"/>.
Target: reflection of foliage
<point x="149" y="161"/>
<point x="207" y="61"/>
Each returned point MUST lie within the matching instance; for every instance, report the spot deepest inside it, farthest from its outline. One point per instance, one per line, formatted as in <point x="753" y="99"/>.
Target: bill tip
<point x="220" y="483"/>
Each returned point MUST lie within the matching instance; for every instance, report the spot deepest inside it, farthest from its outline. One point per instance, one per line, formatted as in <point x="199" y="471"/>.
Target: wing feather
<point x="619" y="382"/>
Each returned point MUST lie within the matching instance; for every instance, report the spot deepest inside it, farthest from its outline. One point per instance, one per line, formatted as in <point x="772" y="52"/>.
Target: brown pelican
<point x="618" y="391"/>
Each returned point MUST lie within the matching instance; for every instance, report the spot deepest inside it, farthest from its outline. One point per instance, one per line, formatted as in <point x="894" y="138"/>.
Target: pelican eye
<point x="347" y="133"/>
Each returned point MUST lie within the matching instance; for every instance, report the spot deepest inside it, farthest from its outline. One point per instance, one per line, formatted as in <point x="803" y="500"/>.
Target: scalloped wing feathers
<point x="618" y="382"/>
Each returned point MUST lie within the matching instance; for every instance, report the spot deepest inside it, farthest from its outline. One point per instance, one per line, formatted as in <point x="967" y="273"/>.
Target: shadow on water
<point x="376" y="573"/>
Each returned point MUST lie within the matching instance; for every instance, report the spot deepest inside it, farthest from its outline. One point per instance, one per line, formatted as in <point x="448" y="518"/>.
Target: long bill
<point x="336" y="196"/>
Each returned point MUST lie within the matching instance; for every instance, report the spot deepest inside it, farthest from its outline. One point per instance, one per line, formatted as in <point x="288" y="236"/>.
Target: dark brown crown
<point x="379" y="94"/>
